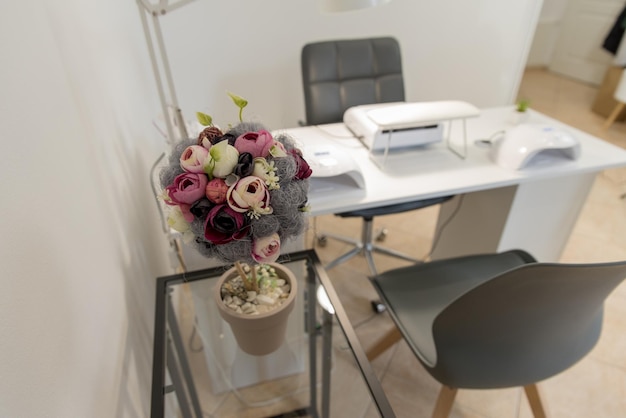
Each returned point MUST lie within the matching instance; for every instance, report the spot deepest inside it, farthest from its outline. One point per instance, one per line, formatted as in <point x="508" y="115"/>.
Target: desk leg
<point x="178" y="348"/>
<point x="327" y="338"/>
<point x="311" y="325"/>
<point x="177" y="382"/>
<point x="536" y="216"/>
<point x="472" y="223"/>
<point x="616" y="111"/>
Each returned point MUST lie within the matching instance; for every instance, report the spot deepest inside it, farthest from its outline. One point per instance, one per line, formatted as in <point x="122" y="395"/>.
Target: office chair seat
<point x="337" y="75"/>
<point x="496" y="320"/>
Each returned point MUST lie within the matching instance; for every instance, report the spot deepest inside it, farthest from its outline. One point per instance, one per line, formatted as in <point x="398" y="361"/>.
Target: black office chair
<point x="496" y="320"/>
<point x="337" y="75"/>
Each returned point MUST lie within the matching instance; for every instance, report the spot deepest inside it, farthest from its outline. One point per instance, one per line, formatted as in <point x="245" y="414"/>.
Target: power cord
<point x="489" y="141"/>
<point x="331" y="134"/>
<point x="443" y="226"/>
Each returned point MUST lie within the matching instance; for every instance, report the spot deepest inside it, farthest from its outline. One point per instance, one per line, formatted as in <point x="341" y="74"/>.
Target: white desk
<point x="533" y="209"/>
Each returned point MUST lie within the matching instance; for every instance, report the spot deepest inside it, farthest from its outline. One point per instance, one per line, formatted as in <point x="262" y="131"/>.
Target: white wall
<point x="81" y="243"/>
<point x="547" y="33"/>
<point x="452" y="49"/>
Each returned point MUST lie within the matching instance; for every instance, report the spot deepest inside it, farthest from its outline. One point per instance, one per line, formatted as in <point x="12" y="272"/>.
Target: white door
<point x="578" y="52"/>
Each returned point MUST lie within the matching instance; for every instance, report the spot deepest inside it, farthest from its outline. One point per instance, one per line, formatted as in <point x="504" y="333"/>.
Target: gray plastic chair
<point x="496" y="320"/>
<point x="337" y="75"/>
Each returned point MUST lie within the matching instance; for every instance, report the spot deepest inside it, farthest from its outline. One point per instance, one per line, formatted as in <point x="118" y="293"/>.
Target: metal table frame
<point x="168" y="343"/>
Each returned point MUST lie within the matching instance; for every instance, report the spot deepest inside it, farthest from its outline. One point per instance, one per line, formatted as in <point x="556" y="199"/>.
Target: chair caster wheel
<point x="322" y="241"/>
<point x="382" y="235"/>
<point x="378" y="306"/>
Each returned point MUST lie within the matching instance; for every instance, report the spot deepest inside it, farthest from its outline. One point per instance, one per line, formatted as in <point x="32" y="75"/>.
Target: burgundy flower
<point x="224" y="225"/>
<point x="304" y="171"/>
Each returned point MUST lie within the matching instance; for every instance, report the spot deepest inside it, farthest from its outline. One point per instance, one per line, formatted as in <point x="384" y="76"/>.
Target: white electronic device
<point x="384" y="126"/>
<point x="333" y="167"/>
<point x="534" y="144"/>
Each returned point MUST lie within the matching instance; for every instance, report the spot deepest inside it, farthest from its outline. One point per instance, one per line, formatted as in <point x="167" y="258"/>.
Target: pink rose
<point x="249" y="194"/>
<point x="224" y="225"/>
<point x="266" y="249"/>
<point x="216" y="190"/>
<point x="186" y="189"/>
<point x="192" y="159"/>
<point x="256" y="143"/>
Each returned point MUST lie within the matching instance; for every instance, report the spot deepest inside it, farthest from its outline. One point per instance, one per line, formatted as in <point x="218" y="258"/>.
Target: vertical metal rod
<point x="159" y="360"/>
<point x="449" y="143"/>
<point x="327" y="338"/>
<point x="386" y="153"/>
<point x="312" y="329"/>
<point x="464" y="138"/>
<point x="182" y="358"/>
<point x="368" y="246"/>
<point x="177" y="381"/>
<point x="157" y="73"/>
<point x="168" y="77"/>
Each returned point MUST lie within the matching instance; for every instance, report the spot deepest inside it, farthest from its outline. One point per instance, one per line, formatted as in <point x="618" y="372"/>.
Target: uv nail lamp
<point x="529" y="145"/>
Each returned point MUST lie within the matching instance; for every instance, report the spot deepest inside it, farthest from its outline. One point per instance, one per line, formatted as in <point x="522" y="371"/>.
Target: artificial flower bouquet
<point x="236" y="195"/>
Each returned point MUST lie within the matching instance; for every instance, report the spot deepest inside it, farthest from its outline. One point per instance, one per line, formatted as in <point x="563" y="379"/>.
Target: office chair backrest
<point x="340" y="74"/>
<point x="525" y="325"/>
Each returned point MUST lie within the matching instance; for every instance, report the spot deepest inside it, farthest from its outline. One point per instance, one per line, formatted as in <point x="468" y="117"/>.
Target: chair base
<point x="389" y="339"/>
<point x="534" y="400"/>
<point x="445" y="400"/>
<point x="444" y="403"/>
<point x="366" y="247"/>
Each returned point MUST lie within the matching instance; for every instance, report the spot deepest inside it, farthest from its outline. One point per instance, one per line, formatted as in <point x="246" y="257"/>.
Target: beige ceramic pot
<point x="264" y="333"/>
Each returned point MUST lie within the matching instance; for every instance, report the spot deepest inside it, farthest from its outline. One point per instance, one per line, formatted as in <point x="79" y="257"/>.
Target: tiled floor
<point x="596" y="386"/>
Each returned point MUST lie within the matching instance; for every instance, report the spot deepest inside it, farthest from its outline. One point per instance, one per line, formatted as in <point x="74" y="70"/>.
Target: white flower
<point x="278" y="150"/>
<point x="267" y="172"/>
<point x="177" y="222"/>
<point x="221" y="160"/>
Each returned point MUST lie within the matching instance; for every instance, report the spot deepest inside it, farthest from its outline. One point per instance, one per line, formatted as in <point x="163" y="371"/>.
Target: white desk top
<point x="436" y="171"/>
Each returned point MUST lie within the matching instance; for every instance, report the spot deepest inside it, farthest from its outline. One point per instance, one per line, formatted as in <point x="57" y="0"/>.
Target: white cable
<point x="443" y="226"/>
<point x="489" y="141"/>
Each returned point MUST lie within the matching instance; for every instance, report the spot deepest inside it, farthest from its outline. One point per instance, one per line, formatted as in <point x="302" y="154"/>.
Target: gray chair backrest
<point x="337" y="75"/>
<point x="525" y="325"/>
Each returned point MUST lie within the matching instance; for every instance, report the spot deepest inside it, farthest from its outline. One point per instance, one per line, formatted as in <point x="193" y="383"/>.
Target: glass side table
<point x="319" y="371"/>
